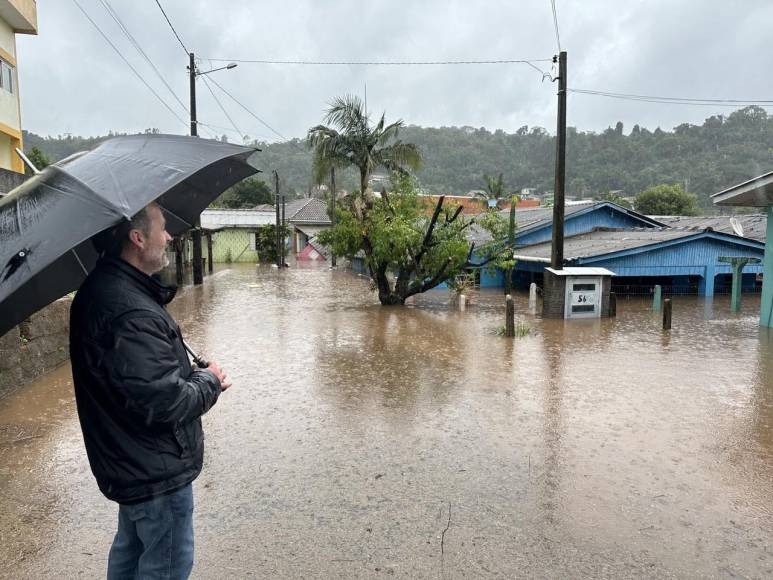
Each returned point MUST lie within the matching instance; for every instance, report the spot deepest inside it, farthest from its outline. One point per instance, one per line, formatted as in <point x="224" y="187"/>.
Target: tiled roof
<point x="307" y="211"/>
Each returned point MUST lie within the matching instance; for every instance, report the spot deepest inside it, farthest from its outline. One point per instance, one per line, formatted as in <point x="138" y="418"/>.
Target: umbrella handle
<point x="201" y="362"/>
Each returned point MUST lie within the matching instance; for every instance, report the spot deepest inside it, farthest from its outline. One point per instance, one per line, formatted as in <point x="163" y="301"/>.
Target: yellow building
<point x="16" y="17"/>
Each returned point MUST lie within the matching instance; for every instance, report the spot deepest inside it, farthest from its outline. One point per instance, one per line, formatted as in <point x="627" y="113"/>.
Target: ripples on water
<point x="587" y="448"/>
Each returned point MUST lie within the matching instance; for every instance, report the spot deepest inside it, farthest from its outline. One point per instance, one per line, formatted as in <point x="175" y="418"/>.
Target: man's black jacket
<point x="139" y="400"/>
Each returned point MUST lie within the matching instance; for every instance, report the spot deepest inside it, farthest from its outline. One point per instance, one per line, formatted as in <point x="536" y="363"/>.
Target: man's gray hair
<point x="112" y="241"/>
<point x="140" y="221"/>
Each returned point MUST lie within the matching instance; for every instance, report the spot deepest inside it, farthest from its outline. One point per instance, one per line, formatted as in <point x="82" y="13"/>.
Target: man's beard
<point x="158" y="262"/>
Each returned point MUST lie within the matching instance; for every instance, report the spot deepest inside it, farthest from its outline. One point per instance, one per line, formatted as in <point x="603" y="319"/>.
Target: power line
<point x="555" y="24"/>
<point x="673" y="100"/>
<point x="382" y="62"/>
<point x="243" y="106"/>
<point x="110" y="10"/>
<point x="139" y="76"/>
<point x="169" y="22"/>
<point x="222" y="108"/>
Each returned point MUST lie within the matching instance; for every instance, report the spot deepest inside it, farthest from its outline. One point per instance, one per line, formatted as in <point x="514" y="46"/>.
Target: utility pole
<point x="557" y="247"/>
<point x="332" y="209"/>
<point x="283" y="225"/>
<point x="198" y="271"/>
<point x="278" y="240"/>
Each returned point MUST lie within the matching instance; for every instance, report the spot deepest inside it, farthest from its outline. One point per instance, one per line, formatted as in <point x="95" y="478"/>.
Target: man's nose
<point x="167" y="237"/>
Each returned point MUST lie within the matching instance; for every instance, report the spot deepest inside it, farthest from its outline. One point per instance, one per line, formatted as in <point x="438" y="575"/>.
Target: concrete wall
<point x="10" y="179"/>
<point x="35" y="347"/>
<point x="553" y="295"/>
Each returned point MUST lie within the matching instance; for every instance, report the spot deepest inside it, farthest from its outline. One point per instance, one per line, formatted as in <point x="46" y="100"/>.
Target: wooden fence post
<point x="510" y="315"/>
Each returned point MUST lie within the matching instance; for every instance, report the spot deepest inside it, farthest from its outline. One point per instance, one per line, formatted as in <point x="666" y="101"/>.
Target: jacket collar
<point x="148" y="284"/>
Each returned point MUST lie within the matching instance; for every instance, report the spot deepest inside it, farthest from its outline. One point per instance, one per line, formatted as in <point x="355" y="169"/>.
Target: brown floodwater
<point x="361" y="441"/>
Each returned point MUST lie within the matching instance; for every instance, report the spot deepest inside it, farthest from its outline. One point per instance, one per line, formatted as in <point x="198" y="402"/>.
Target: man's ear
<point x="137" y="238"/>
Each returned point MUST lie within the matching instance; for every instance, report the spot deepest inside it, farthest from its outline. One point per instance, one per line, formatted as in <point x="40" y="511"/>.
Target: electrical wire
<point x="169" y="22"/>
<point x="243" y="106"/>
<point x="111" y="11"/>
<point x="673" y="100"/>
<point x="137" y="74"/>
<point x="222" y="108"/>
<point x="382" y="62"/>
<point x="555" y="24"/>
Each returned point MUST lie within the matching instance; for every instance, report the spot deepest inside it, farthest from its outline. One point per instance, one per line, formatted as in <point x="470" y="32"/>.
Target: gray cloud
<point x="72" y="81"/>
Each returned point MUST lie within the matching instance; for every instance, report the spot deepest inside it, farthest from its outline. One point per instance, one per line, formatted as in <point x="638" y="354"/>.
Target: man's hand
<point x="221" y="376"/>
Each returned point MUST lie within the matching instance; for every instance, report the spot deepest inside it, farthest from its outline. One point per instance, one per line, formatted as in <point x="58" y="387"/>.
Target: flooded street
<point x="361" y="441"/>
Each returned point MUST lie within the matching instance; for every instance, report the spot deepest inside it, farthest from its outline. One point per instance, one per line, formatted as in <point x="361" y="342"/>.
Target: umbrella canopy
<point x="47" y="224"/>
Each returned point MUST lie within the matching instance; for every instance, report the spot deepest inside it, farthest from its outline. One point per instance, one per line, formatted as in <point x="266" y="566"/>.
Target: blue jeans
<point x="154" y="539"/>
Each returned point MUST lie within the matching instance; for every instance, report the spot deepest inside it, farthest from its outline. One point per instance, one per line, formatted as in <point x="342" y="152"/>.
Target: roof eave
<point x="757" y="192"/>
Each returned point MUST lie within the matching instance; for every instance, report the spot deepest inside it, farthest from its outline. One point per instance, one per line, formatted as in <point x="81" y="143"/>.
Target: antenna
<point x="737" y="227"/>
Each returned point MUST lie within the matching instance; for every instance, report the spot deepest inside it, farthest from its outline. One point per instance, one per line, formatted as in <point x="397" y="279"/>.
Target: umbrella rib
<point x="170" y="212"/>
<point x="80" y="263"/>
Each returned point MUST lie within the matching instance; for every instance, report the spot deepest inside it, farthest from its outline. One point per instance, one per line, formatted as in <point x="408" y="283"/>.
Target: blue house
<point x="679" y="253"/>
<point x="685" y="260"/>
<point x="535" y="226"/>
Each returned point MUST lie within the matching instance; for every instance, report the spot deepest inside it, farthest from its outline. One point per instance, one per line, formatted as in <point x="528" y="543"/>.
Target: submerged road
<point x="361" y="441"/>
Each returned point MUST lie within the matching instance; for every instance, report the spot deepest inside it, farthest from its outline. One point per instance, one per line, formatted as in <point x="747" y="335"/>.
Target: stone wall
<point x="35" y="347"/>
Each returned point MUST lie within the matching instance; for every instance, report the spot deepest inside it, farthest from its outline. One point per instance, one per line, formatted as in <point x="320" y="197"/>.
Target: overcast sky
<point x="72" y="81"/>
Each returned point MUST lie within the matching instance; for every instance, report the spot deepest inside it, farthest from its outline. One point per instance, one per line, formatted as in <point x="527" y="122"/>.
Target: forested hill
<point x="721" y="152"/>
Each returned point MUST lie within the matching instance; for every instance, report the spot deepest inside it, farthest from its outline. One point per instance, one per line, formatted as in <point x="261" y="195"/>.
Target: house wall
<point x="236" y="242"/>
<point x="604" y="217"/>
<point x="10" y="115"/>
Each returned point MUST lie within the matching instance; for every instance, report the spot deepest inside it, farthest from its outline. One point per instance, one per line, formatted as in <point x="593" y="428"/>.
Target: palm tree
<point x="351" y="141"/>
<point x="495" y="188"/>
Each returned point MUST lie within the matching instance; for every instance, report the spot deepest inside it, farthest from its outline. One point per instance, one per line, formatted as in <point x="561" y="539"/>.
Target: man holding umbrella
<point x="98" y="221"/>
<point x="139" y="400"/>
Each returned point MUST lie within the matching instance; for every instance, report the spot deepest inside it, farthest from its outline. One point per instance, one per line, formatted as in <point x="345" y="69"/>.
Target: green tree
<point x="495" y="189"/>
<point x="265" y="242"/>
<point x="666" y="200"/>
<point x="406" y="251"/>
<point x="615" y="198"/>
<point x="38" y="159"/>
<point x="245" y="194"/>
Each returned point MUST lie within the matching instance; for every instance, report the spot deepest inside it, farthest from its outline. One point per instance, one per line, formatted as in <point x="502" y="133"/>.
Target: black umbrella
<point x="47" y="224"/>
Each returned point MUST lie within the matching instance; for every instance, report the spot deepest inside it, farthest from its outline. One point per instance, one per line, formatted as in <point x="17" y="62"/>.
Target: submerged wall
<point x="35" y="347"/>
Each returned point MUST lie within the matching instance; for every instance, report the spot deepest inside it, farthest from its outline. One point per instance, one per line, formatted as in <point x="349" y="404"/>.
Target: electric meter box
<point x="577" y="292"/>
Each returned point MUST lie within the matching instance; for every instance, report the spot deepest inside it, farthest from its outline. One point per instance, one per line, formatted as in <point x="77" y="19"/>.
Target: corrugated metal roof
<point x="322" y="249"/>
<point x="582" y="271"/>
<point x="600" y="242"/>
<point x="213" y="219"/>
<point x="534" y="217"/>
<point x="754" y="225"/>
<point x="528" y="217"/>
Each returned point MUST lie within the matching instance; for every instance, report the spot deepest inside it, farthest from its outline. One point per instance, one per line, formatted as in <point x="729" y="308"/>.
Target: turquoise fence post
<point x="656" y="298"/>
<point x="766" y="301"/>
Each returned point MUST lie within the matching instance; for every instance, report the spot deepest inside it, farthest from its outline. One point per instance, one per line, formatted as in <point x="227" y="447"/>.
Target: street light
<point x="198" y="273"/>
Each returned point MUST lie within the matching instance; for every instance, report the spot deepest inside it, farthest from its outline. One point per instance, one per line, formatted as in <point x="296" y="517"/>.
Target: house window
<point x="6" y="76"/>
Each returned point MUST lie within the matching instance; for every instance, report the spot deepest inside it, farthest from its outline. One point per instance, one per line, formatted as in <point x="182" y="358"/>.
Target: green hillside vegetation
<point x="703" y="159"/>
